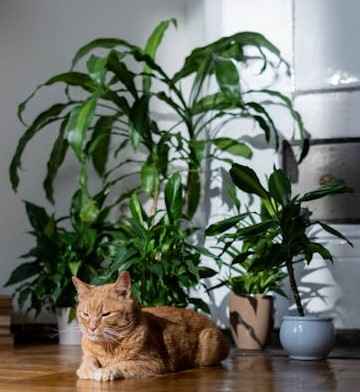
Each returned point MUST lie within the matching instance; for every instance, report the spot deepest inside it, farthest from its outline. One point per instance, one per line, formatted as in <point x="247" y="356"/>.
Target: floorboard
<point x="52" y="368"/>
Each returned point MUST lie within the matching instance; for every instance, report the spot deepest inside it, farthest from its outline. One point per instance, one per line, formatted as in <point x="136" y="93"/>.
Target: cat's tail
<point x="213" y="347"/>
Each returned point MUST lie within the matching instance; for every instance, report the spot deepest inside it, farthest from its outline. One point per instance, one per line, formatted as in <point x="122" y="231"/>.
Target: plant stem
<point x="294" y="288"/>
<point x="155" y="202"/>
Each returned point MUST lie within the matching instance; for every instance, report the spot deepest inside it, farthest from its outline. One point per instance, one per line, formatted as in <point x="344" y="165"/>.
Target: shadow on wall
<point x="324" y="292"/>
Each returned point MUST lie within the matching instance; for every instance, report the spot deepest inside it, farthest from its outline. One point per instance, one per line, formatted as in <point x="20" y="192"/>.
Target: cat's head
<point x="106" y="313"/>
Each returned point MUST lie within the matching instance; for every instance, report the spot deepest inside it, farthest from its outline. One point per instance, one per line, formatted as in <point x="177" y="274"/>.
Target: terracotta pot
<point x="250" y="320"/>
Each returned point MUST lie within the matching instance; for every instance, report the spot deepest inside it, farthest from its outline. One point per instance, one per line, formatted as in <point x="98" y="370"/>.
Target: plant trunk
<point x="294" y="288"/>
<point x="154" y="205"/>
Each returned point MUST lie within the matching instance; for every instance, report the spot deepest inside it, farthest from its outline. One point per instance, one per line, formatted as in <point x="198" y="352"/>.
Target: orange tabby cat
<point x="121" y="340"/>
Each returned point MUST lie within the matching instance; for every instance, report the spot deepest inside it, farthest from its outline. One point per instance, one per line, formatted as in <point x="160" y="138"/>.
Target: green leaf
<point x="231" y="46"/>
<point x="42" y="120"/>
<point x="122" y="73"/>
<point x="254" y="230"/>
<point x="193" y="191"/>
<point x="74" y="267"/>
<point x="233" y="146"/>
<point x="80" y="120"/>
<point x="23" y="272"/>
<point x="136" y="209"/>
<point x="304" y="135"/>
<point x="227" y="77"/>
<point x="96" y="68"/>
<point x="76" y="79"/>
<point x="241" y="258"/>
<point x="334" y="232"/>
<point x="56" y="159"/>
<point x="280" y="186"/>
<point x="99" y="43"/>
<point x="89" y="210"/>
<point x="198" y="150"/>
<point x="314" y="247"/>
<point x="334" y="188"/>
<point x="174" y="197"/>
<point x="150" y="178"/>
<point x="139" y="122"/>
<point x="200" y="304"/>
<point x="99" y="144"/>
<point x="217" y="101"/>
<point x="260" y="109"/>
<point x="152" y="45"/>
<point x="224" y="225"/>
<point x="162" y="152"/>
<point x="37" y="216"/>
<point x="246" y="179"/>
<point x="206" y="272"/>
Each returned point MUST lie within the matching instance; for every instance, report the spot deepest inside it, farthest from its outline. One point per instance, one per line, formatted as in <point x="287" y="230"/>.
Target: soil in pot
<point x="250" y="320"/>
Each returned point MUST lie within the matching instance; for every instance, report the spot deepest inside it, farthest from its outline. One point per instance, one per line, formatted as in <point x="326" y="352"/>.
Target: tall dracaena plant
<point x="114" y="112"/>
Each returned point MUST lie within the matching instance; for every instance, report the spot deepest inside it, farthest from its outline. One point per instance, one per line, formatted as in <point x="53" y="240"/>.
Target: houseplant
<point x="251" y="304"/>
<point x="107" y="110"/>
<point x="250" y="300"/>
<point x="43" y="281"/>
<point x="157" y="251"/>
<point x="287" y="221"/>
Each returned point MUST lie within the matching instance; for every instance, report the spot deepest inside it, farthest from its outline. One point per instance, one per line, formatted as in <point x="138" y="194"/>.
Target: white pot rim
<point x="308" y="318"/>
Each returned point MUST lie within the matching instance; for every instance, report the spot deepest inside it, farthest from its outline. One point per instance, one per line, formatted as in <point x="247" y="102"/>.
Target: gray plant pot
<point x="307" y="338"/>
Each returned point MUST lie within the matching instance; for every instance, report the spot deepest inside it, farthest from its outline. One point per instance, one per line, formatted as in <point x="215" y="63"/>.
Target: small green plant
<point x="253" y="283"/>
<point x="281" y="230"/>
<point x="157" y="251"/>
<point x="44" y="280"/>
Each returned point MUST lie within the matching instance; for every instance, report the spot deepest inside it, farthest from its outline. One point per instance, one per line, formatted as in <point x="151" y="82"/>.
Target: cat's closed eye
<point x="84" y="314"/>
<point x="106" y="314"/>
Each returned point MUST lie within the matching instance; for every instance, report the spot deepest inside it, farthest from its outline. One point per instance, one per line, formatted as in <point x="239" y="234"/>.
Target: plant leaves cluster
<point x="118" y="83"/>
<point x="276" y="237"/>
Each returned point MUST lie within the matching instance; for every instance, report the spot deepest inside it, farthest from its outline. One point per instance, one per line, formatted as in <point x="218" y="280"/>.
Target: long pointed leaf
<point x="100" y="143"/>
<point x="246" y="179"/>
<point x="42" y="120"/>
<point x="224" y="225"/>
<point x="152" y="45"/>
<point x="56" y="159"/>
<point x="174" y="197"/>
<point x="79" y="122"/>
<point x="99" y="43"/>
<point x="334" y="232"/>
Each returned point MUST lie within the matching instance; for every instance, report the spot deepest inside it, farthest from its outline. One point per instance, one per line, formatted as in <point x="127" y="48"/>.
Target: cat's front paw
<point x="106" y="374"/>
<point x="85" y="373"/>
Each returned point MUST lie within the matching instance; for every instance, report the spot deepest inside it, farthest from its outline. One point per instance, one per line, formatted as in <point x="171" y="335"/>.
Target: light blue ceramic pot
<point x="307" y="338"/>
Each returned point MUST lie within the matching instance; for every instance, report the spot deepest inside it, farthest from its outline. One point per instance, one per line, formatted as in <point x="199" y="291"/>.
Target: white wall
<point x="315" y="37"/>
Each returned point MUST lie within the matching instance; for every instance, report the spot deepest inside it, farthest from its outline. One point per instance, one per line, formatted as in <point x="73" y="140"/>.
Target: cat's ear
<point x="81" y="287"/>
<point x="122" y="285"/>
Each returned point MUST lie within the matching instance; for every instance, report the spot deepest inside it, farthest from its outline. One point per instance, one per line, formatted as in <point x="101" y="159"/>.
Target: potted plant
<point x="285" y="218"/>
<point x="43" y="282"/>
<point x="251" y="305"/>
<point x="158" y="252"/>
<point x="251" y="299"/>
<point x="106" y="120"/>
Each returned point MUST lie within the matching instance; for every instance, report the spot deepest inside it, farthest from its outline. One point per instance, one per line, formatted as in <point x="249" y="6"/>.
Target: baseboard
<point x="47" y="333"/>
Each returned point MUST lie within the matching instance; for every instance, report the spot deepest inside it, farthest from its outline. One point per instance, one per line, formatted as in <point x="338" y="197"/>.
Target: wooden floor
<point x="51" y="368"/>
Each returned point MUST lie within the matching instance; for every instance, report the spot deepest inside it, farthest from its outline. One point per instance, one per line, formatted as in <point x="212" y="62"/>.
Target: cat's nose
<point x="92" y="327"/>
